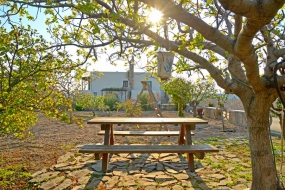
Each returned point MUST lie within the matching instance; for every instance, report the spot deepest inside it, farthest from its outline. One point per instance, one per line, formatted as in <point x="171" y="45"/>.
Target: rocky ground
<point x="224" y="170"/>
<point x="52" y="139"/>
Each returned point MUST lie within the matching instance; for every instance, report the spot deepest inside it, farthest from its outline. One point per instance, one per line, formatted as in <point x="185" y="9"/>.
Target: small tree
<point x="183" y="92"/>
<point x="128" y="107"/>
<point x="145" y="102"/>
<point x="110" y="101"/>
<point x="89" y="101"/>
<point x="29" y="72"/>
<point x="179" y="89"/>
<point x="201" y="90"/>
<point x="222" y="98"/>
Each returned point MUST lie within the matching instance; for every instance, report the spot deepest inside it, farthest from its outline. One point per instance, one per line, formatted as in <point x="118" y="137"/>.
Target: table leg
<point x="190" y="156"/>
<point x="98" y="156"/>
<point x="112" y="141"/>
<point x="181" y="135"/>
<point x="106" y="142"/>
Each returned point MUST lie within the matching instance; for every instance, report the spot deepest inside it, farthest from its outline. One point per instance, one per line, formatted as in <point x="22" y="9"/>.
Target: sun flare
<point x="154" y="16"/>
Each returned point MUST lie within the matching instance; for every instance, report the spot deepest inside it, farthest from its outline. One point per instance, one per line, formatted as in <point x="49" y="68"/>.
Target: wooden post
<point x="105" y="158"/>
<point x="190" y="156"/>
<point x="181" y="138"/>
<point x="154" y="103"/>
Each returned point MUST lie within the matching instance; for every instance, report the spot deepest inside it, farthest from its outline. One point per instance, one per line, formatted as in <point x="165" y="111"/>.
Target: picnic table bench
<point x="184" y="138"/>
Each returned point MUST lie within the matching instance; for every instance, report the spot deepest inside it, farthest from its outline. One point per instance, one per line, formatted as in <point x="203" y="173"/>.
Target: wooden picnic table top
<point x="145" y="120"/>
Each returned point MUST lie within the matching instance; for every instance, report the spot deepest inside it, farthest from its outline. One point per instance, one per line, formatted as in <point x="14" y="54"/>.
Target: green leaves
<point x="184" y="91"/>
<point x="209" y="2"/>
<point x="89" y="101"/>
<point x="29" y="79"/>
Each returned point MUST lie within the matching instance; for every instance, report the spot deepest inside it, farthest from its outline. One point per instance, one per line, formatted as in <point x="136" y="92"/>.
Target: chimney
<point x="131" y="77"/>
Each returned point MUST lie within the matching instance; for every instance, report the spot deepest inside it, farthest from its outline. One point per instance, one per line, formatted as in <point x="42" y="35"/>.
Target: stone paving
<point x="77" y="171"/>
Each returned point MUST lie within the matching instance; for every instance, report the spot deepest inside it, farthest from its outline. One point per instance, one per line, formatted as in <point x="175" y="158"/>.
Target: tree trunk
<point x="194" y="109"/>
<point x="180" y="110"/>
<point x="71" y="116"/>
<point x="93" y="112"/>
<point x="131" y="78"/>
<point x="263" y="166"/>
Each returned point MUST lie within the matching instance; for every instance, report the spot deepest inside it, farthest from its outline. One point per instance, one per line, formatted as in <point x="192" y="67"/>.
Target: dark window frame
<point x="125" y="83"/>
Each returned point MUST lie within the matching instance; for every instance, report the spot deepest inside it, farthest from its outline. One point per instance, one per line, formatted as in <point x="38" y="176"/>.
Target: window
<point x="125" y="83"/>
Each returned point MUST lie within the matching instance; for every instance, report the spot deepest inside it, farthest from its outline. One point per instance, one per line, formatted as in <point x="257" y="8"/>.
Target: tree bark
<point x="194" y="110"/>
<point x="180" y="110"/>
<point x="264" y="174"/>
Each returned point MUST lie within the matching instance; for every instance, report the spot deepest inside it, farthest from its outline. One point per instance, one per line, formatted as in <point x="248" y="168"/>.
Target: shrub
<point x="110" y="100"/>
<point x="79" y="108"/>
<point x="128" y="106"/>
<point x="145" y="102"/>
<point x="210" y="104"/>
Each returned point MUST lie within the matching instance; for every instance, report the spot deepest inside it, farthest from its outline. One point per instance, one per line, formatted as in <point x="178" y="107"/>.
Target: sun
<point x="154" y="16"/>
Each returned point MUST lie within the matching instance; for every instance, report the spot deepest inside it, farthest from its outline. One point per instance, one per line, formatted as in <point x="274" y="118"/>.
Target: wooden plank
<point x="181" y="138"/>
<point x="144" y="133"/>
<point x="187" y="134"/>
<point x="191" y="126"/>
<point x="105" y="156"/>
<point x="134" y="106"/>
<point x="190" y="157"/>
<point x="154" y="102"/>
<point x="98" y="156"/>
<point x="147" y="148"/>
<point x="112" y="141"/>
<point x="147" y="120"/>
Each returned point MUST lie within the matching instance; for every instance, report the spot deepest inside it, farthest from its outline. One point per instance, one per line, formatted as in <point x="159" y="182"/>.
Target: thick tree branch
<point x="279" y="52"/>
<point x="238" y="25"/>
<point x="270" y="51"/>
<point x="179" y="14"/>
<point x="257" y="17"/>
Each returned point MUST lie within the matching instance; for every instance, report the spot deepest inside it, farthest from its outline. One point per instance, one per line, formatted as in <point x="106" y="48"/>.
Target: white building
<point x="120" y="83"/>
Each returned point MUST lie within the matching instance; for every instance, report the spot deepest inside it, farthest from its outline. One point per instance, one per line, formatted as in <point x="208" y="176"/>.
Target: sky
<point x="101" y="65"/>
<point x="39" y="25"/>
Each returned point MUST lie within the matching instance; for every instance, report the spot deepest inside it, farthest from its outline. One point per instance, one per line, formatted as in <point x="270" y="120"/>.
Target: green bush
<point x="111" y="100"/>
<point x="210" y="104"/>
<point x="78" y="108"/>
<point x="127" y="106"/>
<point x="145" y="102"/>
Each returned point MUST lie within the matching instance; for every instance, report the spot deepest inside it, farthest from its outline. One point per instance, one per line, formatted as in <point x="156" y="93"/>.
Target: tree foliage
<point x="89" y="101"/>
<point x="111" y="100"/>
<point x="184" y="92"/>
<point x="146" y="101"/>
<point x="29" y="79"/>
<point x="179" y="90"/>
<point x="128" y="107"/>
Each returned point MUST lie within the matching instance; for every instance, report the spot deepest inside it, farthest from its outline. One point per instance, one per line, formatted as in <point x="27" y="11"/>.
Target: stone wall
<point x="232" y="104"/>
<point x="236" y="117"/>
<point x="209" y="112"/>
<point x="168" y="107"/>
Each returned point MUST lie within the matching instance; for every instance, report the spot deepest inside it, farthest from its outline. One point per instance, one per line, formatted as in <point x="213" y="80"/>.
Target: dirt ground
<point x="53" y="138"/>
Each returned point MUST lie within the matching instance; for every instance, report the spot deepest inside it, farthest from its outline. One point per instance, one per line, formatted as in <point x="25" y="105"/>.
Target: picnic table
<point x="184" y="138"/>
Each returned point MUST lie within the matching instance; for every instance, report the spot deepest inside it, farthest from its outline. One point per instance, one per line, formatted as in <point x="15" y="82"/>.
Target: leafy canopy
<point x="184" y="92"/>
<point x="29" y="77"/>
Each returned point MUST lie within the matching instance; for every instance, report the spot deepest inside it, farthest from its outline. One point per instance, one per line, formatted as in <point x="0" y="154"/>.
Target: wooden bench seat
<point x="115" y="149"/>
<point x="144" y="133"/>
